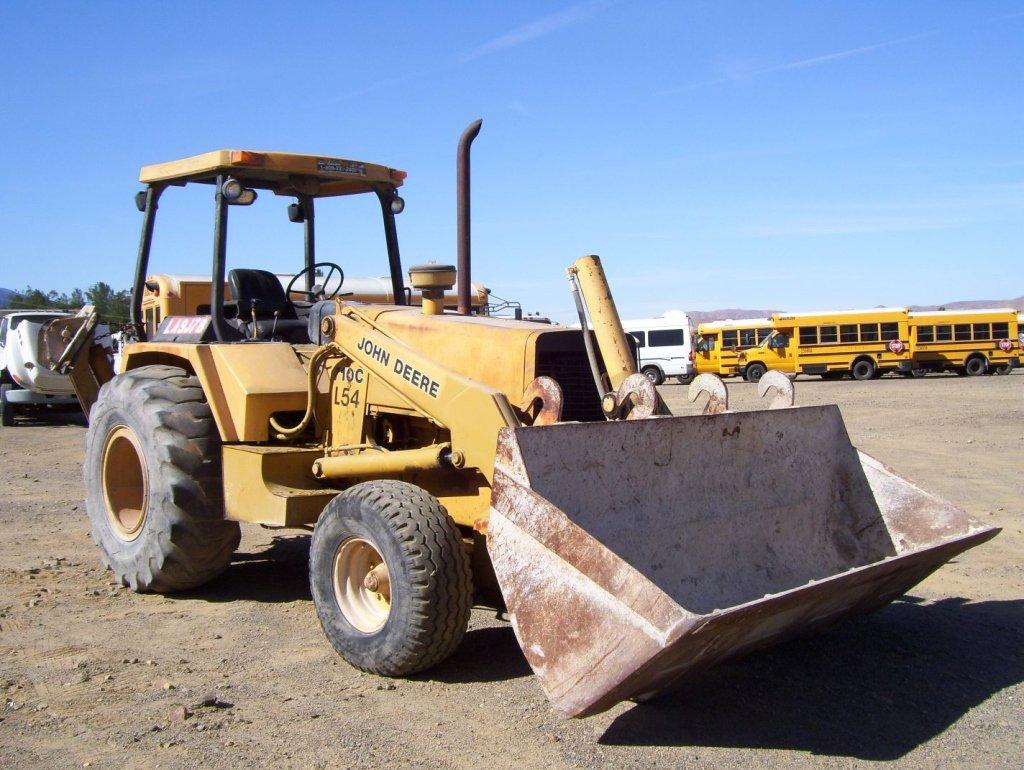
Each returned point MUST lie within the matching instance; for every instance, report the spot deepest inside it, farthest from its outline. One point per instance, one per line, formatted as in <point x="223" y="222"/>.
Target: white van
<point x="664" y="345"/>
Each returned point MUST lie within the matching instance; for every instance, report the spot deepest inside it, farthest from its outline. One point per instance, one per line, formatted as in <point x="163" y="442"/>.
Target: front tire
<point x="390" y="578"/>
<point x="6" y="407"/>
<point x="153" y="482"/>
<point x="755" y="372"/>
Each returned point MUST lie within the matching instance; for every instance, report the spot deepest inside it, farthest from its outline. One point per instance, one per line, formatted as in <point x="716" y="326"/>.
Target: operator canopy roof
<point x="283" y="172"/>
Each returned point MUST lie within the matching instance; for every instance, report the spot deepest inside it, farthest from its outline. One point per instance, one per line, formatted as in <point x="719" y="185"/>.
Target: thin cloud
<point x="539" y="28"/>
<point x="814" y="61"/>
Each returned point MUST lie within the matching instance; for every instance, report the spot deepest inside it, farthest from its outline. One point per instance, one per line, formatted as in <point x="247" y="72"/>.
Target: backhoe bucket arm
<point x="68" y="345"/>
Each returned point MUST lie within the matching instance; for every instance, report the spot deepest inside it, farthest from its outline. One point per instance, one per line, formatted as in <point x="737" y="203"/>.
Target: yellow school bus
<point x="968" y="342"/>
<point x="719" y="343"/>
<point x="862" y="343"/>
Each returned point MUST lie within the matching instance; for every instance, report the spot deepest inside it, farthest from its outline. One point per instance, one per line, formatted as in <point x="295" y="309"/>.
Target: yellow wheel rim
<point x="125" y="483"/>
<point x="362" y="585"/>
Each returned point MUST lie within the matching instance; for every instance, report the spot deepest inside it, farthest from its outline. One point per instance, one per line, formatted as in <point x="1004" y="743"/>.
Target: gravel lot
<point x="239" y="673"/>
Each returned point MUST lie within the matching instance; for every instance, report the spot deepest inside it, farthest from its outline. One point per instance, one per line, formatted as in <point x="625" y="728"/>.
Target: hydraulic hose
<point x="315" y="361"/>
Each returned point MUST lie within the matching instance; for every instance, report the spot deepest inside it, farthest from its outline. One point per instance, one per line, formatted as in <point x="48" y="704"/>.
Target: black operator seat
<point x="266" y="290"/>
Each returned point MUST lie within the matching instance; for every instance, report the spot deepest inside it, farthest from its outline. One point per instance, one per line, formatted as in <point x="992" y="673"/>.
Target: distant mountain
<point x="974" y="304"/>
<point x="6" y="295"/>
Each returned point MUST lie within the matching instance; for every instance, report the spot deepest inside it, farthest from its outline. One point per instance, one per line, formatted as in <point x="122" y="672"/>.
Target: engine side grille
<point x="563" y="358"/>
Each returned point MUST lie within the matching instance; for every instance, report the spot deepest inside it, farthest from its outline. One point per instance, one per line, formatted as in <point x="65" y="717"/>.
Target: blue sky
<point x="795" y="155"/>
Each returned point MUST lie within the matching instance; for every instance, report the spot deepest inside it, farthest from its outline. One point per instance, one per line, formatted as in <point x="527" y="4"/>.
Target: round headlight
<point x="397" y="205"/>
<point x="232" y="189"/>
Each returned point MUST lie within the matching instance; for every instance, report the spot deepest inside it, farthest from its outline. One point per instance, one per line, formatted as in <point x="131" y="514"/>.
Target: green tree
<point x="112" y="305"/>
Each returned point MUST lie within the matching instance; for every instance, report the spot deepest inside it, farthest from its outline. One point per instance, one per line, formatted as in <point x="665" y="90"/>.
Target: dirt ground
<point x="94" y="675"/>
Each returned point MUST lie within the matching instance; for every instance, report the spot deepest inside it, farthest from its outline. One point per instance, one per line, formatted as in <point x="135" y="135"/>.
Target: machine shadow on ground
<point x="277" y="573"/>
<point x="280" y="573"/>
<point x="873" y="688"/>
<point x="47" y="417"/>
<point x="489" y="654"/>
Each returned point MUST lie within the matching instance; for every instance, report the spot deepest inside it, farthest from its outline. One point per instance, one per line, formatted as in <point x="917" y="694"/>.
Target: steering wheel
<point x="317" y="289"/>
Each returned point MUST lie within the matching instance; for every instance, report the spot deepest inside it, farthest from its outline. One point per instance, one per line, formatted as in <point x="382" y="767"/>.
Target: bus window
<point x="981" y="332"/>
<point x="828" y="334"/>
<point x="925" y="333"/>
<point x="869" y="332"/>
<point x="848" y="333"/>
<point x="808" y="335"/>
<point x="640" y="337"/>
<point x="943" y="333"/>
<point x="962" y="332"/>
<point x="662" y="338"/>
<point x="890" y="331"/>
<point x="730" y="338"/>
<point x="762" y="334"/>
<point x="748" y="338"/>
<point x="1000" y="331"/>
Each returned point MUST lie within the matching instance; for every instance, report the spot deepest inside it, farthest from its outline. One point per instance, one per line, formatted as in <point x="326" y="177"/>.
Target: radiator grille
<point x="570" y="369"/>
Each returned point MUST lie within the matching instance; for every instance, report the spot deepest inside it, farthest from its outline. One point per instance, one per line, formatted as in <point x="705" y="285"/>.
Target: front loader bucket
<point x="634" y="554"/>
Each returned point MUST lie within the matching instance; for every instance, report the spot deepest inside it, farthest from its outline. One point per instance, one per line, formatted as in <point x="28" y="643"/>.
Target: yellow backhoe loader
<point x="443" y="458"/>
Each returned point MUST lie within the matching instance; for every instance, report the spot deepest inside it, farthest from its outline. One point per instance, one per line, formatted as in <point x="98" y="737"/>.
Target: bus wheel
<point x="685" y="379"/>
<point x="863" y="369"/>
<point x="1003" y="368"/>
<point x="654" y="374"/>
<point x="755" y="372"/>
<point x="976" y="365"/>
<point x="918" y="373"/>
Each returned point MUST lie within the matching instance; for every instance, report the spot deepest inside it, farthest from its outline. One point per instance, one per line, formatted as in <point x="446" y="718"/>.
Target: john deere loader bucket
<point x="635" y="554"/>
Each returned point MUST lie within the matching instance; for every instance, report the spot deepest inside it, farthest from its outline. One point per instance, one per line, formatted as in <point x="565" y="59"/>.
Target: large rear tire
<point x="863" y="369"/>
<point x="153" y="482"/>
<point x="976" y="366"/>
<point x="390" y="578"/>
<point x="6" y="407"/>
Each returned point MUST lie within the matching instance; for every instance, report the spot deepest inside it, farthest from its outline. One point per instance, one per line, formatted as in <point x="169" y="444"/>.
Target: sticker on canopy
<point x="337" y="166"/>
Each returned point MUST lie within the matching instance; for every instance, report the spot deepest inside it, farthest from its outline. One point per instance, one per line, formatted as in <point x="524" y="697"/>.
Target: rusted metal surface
<point x="462" y="195"/>
<point x="60" y="339"/>
<point x="637" y="398"/>
<point x="779" y="384"/>
<point x="625" y="572"/>
<point x="542" y="401"/>
<point x="712" y="386"/>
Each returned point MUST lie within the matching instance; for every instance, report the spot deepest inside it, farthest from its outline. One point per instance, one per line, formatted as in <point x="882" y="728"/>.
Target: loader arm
<point x="472" y="412"/>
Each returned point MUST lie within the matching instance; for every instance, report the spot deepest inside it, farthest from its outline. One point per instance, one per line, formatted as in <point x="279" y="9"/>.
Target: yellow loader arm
<point x="472" y="412"/>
